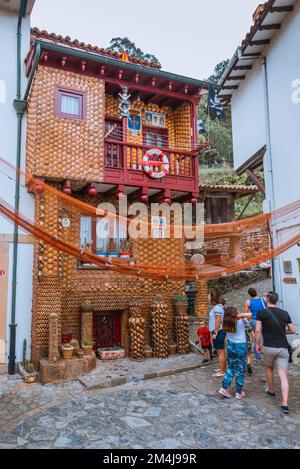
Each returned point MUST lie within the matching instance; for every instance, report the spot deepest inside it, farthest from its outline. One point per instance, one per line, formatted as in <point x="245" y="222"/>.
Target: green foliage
<point x="119" y="44"/>
<point x="179" y="298"/>
<point x="218" y="71"/>
<point x="29" y="368"/>
<point x="86" y="342"/>
<point x="220" y="152"/>
<point x="24" y="351"/>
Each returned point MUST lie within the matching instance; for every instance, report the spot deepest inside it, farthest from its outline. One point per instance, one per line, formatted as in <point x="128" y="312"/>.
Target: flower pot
<point x="147" y="353"/>
<point x="172" y="349"/>
<point x="80" y="353"/>
<point x="87" y="349"/>
<point x="112" y="254"/>
<point x="124" y="255"/>
<point x="67" y="352"/>
<point x="101" y="253"/>
<point x="28" y="377"/>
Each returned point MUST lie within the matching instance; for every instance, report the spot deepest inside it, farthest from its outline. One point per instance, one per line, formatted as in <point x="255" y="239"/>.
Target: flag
<point x="124" y="56"/>
<point x="215" y="107"/>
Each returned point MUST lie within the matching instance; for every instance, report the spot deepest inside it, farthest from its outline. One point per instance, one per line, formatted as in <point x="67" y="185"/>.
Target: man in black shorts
<point x="274" y="323"/>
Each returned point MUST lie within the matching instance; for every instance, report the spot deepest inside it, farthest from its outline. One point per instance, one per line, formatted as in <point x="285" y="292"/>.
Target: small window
<point x="287" y="267"/>
<point x="158" y="227"/>
<point x="70" y="104"/>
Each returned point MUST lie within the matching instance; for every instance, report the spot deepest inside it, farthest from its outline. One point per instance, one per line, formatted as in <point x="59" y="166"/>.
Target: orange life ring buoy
<point x="148" y="168"/>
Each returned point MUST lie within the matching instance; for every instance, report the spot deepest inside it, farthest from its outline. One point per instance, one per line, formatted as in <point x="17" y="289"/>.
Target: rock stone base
<point x="66" y="370"/>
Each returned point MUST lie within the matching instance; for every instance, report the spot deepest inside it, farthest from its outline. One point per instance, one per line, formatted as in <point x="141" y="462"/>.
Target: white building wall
<point x="8" y="147"/>
<point x="248" y="117"/>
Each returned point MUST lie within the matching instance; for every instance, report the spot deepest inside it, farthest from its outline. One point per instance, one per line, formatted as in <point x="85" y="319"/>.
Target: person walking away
<point x="234" y="325"/>
<point x="204" y="338"/>
<point x="274" y="323"/>
<point x="215" y="322"/>
<point x="253" y="305"/>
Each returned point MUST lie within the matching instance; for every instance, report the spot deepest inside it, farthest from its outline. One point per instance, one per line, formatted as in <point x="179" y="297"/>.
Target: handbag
<point x="290" y="350"/>
<point x="248" y="332"/>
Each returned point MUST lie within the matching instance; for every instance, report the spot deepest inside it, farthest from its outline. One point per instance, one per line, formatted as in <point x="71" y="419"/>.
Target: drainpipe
<point x="269" y="176"/>
<point x="20" y="107"/>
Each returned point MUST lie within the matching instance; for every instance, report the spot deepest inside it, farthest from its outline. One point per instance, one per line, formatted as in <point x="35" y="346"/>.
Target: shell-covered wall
<point x="59" y="147"/>
<point x="61" y="285"/>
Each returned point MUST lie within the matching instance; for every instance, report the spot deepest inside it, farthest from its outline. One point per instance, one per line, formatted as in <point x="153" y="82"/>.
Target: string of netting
<point x="168" y="272"/>
<point x="213" y="230"/>
<point x="84" y="208"/>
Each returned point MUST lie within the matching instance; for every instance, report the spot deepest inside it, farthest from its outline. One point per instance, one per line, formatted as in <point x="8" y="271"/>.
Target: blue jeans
<point x="237" y="356"/>
<point x="257" y="355"/>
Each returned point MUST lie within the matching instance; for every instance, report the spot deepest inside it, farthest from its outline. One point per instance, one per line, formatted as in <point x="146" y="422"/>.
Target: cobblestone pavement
<point x="178" y="411"/>
<point x="238" y="297"/>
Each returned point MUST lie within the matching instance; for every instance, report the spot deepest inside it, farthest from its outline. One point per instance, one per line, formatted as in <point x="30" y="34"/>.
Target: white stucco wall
<point x="283" y="68"/>
<point x="8" y="147"/>
<point x="248" y="117"/>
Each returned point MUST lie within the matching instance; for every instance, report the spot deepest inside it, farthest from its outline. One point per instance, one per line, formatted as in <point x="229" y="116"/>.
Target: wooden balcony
<point x="124" y="166"/>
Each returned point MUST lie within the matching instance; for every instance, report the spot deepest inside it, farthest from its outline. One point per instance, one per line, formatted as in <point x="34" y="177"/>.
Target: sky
<point x="189" y="37"/>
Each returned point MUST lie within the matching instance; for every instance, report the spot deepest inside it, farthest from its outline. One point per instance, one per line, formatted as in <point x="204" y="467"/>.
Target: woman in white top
<point x="216" y="315"/>
<point x="234" y="325"/>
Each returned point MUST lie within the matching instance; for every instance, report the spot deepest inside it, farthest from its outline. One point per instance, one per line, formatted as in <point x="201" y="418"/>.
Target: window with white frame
<point x="96" y="233"/>
<point x="70" y="104"/>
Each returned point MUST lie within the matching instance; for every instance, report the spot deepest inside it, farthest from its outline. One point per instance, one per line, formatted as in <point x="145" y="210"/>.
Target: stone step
<point x="91" y="382"/>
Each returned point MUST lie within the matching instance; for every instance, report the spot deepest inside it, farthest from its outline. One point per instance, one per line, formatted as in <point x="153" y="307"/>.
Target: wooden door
<point x="107" y="329"/>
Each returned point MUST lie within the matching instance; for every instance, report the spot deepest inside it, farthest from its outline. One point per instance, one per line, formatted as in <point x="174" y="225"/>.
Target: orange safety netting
<point x="211" y="268"/>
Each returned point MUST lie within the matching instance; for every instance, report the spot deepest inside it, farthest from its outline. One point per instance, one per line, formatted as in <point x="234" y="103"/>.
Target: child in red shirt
<point x="204" y="338"/>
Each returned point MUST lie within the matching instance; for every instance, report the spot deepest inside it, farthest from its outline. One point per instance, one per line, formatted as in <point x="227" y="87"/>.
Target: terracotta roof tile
<point x="43" y="34"/>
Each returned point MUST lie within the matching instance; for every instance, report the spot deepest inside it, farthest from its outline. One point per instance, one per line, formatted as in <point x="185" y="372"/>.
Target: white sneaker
<point x="218" y="375"/>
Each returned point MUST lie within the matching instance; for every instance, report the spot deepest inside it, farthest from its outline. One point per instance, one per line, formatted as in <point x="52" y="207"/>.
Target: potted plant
<point x="102" y="253"/>
<point x="26" y="368"/>
<point x="80" y="353"/>
<point x="172" y="347"/>
<point x="75" y="345"/>
<point x="86" y="306"/>
<point x="125" y="248"/>
<point x="147" y="351"/>
<point x="112" y="248"/>
<point x="87" y="346"/>
<point x="67" y="351"/>
<point x="28" y="372"/>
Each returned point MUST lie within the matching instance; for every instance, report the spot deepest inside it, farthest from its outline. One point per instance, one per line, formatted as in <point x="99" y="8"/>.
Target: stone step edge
<point x="119" y="380"/>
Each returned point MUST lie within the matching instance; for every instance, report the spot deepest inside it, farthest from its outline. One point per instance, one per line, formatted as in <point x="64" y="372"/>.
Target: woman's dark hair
<point x="215" y="297"/>
<point x="230" y="319"/>
<point x="252" y="292"/>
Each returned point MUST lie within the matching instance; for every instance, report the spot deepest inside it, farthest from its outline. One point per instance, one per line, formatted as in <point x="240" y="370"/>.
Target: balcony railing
<point x="120" y="155"/>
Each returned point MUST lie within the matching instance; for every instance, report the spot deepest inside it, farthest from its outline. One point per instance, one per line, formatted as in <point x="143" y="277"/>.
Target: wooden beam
<point x="246" y="206"/>
<point x="256" y="180"/>
<point x="281" y="9"/>
<point x="149" y="89"/>
<point x="269" y="27"/>
<point x="233" y="87"/>
<point x="242" y="67"/>
<point x="261" y="42"/>
<point x="236" y="77"/>
<point x="112" y="192"/>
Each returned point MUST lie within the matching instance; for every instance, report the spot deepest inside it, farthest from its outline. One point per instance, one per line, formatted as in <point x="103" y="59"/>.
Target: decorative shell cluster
<point x="136" y="331"/>
<point x="160" y="329"/>
<point x="182" y="328"/>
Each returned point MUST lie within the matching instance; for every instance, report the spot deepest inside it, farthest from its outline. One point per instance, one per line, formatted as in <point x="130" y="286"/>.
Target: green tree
<point x="119" y="44"/>
<point x="220" y="151"/>
<point x="218" y="71"/>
